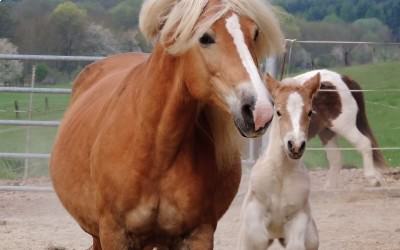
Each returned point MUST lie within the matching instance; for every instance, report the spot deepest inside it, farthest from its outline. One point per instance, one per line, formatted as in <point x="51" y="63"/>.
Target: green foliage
<point x="316" y="10"/>
<point x="6" y="22"/>
<point x="125" y="14"/>
<point x="41" y="72"/>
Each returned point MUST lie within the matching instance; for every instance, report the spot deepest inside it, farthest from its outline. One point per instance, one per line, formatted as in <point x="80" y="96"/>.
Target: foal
<point x="276" y="205"/>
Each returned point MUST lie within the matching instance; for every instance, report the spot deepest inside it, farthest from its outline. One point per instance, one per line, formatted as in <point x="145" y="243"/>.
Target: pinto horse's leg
<point x="335" y="163"/>
<point x="363" y="144"/>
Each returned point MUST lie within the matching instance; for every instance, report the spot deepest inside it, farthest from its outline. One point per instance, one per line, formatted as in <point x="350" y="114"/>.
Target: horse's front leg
<point x="202" y="238"/>
<point x="113" y="236"/>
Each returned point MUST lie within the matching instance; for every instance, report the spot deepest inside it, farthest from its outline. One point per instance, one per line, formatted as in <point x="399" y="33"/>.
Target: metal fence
<point x="252" y="151"/>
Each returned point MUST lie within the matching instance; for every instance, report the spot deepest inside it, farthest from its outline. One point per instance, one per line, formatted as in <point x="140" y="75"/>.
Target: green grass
<point x="13" y="139"/>
<point x="383" y="110"/>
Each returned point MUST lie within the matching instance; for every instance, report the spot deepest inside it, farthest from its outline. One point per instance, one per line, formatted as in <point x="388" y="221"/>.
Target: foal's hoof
<point x="375" y="181"/>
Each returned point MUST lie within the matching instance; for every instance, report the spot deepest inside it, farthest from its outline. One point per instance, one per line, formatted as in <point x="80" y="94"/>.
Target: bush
<point x="41" y="72"/>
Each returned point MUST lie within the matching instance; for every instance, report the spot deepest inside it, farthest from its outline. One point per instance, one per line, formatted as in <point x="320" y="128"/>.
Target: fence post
<point x="16" y="107"/>
<point x="46" y="104"/>
<point x="28" y="129"/>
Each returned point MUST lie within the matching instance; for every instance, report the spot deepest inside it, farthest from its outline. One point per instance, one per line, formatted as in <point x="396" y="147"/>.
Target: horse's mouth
<point x="250" y="133"/>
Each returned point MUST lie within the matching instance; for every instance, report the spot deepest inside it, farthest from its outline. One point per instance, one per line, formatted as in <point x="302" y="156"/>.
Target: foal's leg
<point x="312" y="239"/>
<point x="363" y="145"/>
<point x="335" y="163"/>
<point x="296" y="231"/>
<point x="253" y="231"/>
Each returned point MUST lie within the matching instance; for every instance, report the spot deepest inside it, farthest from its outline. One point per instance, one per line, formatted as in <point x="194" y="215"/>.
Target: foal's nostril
<point x="290" y="145"/>
<point x="302" y="147"/>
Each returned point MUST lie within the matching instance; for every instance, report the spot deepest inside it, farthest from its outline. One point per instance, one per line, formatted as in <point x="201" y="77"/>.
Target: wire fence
<point x="24" y="158"/>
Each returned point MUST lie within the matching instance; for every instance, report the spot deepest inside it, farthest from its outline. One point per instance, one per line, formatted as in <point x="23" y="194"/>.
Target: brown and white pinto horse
<point x="341" y="112"/>
<point x="146" y="155"/>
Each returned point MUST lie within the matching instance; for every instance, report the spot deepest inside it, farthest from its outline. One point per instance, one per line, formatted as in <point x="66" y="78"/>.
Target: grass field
<point x="383" y="112"/>
<point x="13" y="139"/>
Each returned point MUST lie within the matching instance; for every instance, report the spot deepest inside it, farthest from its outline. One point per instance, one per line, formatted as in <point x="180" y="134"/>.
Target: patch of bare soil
<point x="351" y="217"/>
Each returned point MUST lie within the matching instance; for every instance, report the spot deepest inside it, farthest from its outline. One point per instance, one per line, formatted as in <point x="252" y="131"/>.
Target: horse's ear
<point x="313" y="84"/>
<point x="272" y="84"/>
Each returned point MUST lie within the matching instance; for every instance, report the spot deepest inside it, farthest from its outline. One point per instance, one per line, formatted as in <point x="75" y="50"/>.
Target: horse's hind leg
<point x="335" y="160"/>
<point x="363" y="144"/>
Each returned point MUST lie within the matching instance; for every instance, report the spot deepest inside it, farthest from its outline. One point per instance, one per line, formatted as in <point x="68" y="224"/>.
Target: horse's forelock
<point x="178" y="24"/>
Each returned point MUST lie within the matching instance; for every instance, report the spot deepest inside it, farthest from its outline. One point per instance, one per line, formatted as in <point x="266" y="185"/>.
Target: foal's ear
<point x="272" y="84"/>
<point x="313" y="84"/>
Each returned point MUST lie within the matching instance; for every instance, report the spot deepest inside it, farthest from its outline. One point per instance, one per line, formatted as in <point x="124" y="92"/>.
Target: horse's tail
<point x="363" y="124"/>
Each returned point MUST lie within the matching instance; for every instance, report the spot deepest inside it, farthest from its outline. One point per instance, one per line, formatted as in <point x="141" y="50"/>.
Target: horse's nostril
<point x="247" y="112"/>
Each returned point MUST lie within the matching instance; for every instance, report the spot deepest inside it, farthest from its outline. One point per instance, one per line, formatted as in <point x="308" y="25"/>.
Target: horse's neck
<point x="275" y="154"/>
<point x="169" y="110"/>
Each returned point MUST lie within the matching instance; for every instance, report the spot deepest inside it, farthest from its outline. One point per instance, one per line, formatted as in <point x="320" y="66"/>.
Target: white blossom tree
<point x="10" y="71"/>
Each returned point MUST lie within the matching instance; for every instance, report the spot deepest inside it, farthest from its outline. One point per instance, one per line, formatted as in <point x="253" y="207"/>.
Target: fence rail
<point x="28" y="123"/>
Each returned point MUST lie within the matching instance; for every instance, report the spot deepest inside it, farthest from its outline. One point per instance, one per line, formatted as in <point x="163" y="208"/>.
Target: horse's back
<point x="94" y="72"/>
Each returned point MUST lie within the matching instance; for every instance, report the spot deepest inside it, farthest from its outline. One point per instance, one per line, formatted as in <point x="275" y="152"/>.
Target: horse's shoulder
<point x="94" y="72"/>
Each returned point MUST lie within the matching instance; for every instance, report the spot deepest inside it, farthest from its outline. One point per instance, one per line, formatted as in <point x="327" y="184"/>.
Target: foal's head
<point x="293" y="109"/>
<point x="220" y="44"/>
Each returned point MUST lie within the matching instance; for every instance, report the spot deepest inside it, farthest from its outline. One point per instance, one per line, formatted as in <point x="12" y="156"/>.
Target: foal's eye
<point x="206" y="39"/>
<point x="310" y="113"/>
<point x="278" y="113"/>
<point x="256" y="34"/>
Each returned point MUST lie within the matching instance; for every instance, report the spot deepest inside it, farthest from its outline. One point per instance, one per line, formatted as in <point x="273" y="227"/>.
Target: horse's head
<point x="293" y="109"/>
<point x="220" y="44"/>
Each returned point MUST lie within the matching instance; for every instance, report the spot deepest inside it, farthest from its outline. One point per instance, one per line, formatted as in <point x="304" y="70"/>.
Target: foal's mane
<point x="178" y="24"/>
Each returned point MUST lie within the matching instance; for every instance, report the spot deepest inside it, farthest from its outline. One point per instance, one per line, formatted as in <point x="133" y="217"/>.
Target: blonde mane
<point x="178" y="24"/>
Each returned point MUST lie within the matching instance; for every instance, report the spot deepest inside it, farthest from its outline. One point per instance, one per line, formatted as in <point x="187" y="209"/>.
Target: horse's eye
<point x="278" y="113"/>
<point x="256" y="34"/>
<point x="310" y="113"/>
<point x="206" y="39"/>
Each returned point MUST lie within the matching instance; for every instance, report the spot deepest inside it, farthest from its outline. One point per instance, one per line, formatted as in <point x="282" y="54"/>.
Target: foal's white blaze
<point x="295" y="108"/>
<point x="263" y="108"/>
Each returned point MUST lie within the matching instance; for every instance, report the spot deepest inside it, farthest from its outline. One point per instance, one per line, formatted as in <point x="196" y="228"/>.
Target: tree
<point x="11" y="71"/>
<point x="125" y="14"/>
<point x="6" y="22"/>
<point x="69" y="24"/>
<point x="100" y="41"/>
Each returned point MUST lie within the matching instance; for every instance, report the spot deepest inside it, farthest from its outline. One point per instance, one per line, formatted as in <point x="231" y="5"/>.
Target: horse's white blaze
<point x="263" y="107"/>
<point x="295" y="107"/>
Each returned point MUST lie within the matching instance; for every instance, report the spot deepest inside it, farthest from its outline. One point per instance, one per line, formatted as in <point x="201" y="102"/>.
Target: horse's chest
<point x="177" y="205"/>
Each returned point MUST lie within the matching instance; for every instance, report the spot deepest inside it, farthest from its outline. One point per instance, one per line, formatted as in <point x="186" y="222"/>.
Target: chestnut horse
<point x="146" y="155"/>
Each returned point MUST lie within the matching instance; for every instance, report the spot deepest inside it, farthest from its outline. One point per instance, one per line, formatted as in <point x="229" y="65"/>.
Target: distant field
<point x="383" y="110"/>
<point x="13" y="138"/>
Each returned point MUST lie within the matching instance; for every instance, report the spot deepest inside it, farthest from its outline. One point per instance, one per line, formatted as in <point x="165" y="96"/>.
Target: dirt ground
<point x="352" y="217"/>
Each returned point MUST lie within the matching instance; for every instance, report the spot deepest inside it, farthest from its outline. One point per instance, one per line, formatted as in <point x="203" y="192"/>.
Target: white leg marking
<point x="363" y="145"/>
<point x="335" y="163"/>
